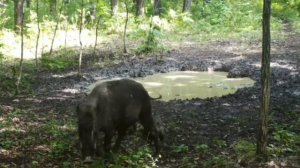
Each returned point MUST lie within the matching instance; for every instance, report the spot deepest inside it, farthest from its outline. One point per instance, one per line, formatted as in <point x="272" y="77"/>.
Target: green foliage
<point x="181" y="148"/>
<point x="6" y="21"/>
<point x="151" y="43"/>
<point x="137" y="158"/>
<point x="285" y="141"/>
<point x="219" y="161"/>
<point x="219" y="143"/>
<point x="141" y="158"/>
<point x="8" y="130"/>
<point x="246" y="151"/>
<point x="1" y="57"/>
<point x="60" y="139"/>
<point x="286" y="9"/>
<point x="202" y="148"/>
<point x="59" y="61"/>
<point x="8" y="75"/>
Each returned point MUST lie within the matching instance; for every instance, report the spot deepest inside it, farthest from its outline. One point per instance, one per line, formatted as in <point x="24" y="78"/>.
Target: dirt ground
<point x="218" y="122"/>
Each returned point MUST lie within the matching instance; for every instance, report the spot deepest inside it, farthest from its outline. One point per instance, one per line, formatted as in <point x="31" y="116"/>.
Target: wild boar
<point x="115" y="106"/>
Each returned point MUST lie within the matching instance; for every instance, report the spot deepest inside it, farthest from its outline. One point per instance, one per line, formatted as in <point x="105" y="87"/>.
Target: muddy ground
<point x="218" y="122"/>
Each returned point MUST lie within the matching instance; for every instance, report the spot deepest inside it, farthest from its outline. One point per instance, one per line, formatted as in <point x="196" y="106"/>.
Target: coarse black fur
<point x="115" y="106"/>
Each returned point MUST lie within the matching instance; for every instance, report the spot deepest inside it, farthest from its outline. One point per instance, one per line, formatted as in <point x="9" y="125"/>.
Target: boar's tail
<point x="155" y="98"/>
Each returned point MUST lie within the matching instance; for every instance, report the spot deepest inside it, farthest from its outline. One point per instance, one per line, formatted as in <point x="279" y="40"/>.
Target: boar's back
<point x="118" y="103"/>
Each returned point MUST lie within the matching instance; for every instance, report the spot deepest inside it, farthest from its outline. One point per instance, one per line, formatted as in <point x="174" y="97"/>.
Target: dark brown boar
<point x="114" y="106"/>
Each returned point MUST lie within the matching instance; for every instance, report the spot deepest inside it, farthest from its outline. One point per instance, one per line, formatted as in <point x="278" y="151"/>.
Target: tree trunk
<point x="28" y="3"/>
<point x="39" y="31"/>
<point x="18" y="11"/>
<point x="96" y="38"/>
<point x="186" y="5"/>
<point x="53" y="7"/>
<point x="140" y="11"/>
<point x="55" y="30"/>
<point x="80" y="42"/>
<point x="125" y="27"/>
<point x="22" y="50"/>
<point x="114" y="7"/>
<point x="157" y="7"/>
<point x="265" y="83"/>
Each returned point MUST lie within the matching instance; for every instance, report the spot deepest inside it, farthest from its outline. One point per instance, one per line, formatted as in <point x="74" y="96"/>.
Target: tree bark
<point x="22" y="50"/>
<point x="114" y="7"/>
<point x="186" y="5"/>
<point x="140" y="11"/>
<point x="55" y="30"/>
<point x="96" y="31"/>
<point x="157" y="7"/>
<point x="53" y="7"/>
<point x="39" y="31"/>
<point x="28" y="3"/>
<point x="125" y="27"/>
<point x="80" y="42"/>
<point x="18" y="11"/>
<point x="265" y="83"/>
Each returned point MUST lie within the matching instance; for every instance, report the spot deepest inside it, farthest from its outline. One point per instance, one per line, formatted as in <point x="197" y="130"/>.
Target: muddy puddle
<point x="190" y="84"/>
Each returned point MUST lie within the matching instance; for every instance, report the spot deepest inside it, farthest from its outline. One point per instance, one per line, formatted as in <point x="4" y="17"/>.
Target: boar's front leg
<point x="107" y="141"/>
<point x="150" y="130"/>
<point x="121" y="134"/>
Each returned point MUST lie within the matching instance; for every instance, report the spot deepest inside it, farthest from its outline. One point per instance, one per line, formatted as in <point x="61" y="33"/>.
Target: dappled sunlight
<point x="276" y="65"/>
<point x="174" y="77"/>
<point x="12" y="129"/>
<point x="34" y="100"/>
<point x="284" y="66"/>
<point x="153" y="84"/>
<point x="181" y="85"/>
<point x="56" y="98"/>
<point x="42" y="148"/>
<point x="69" y="38"/>
<point x="69" y="90"/>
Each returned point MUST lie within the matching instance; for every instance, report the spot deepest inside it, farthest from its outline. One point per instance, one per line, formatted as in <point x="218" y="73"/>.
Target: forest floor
<point x="39" y="130"/>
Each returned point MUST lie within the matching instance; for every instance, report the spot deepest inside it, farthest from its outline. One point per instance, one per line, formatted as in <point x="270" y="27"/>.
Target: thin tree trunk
<point x="38" y="35"/>
<point x="28" y="3"/>
<point x="53" y="7"/>
<point x="157" y="7"/>
<point x="265" y="82"/>
<point x="140" y="11"/>
<point x="96" y="31"/>
<point x="125" y="27"/>
<point x="94" y="12"/>
<point x="114" y="7"/>
<point x="66" y="29"/>
<point x="55" y="30"/>
<point x="80" y="42"/>
<point x="18" y="10"/>
<point x="186" y="5"/>
<point x="66" y="35"/>
<point x="22" y="50"/>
